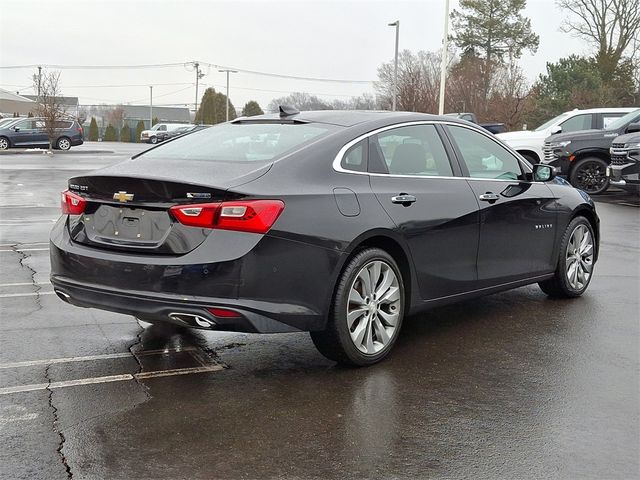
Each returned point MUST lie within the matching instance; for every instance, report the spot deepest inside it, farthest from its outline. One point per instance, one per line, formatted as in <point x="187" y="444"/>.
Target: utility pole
<point x="228" y="72"/>
<point x="199" y="75"/>
<point x="395" y="66"/>
<point x="39" y="79"/>
<point x="150" y="106"/>
<point x="445" y="53"/>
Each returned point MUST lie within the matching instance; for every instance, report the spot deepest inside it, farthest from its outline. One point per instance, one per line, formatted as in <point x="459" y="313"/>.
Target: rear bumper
<point x="276" y="285"/>
<point x="252" y="317"/>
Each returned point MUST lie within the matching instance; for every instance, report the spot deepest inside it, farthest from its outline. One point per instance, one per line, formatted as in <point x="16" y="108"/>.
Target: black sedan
<point x="336" y="223"/>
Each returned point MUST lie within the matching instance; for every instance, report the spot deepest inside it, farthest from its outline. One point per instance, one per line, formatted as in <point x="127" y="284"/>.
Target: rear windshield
<point x="254" y="142"/>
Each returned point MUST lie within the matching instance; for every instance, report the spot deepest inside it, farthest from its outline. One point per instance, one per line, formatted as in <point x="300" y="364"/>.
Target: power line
<point x="165" y="65"/>
<point x="110" y="86"/>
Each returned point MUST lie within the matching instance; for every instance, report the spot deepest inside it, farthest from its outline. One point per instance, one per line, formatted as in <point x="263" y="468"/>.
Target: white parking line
<point x="2" y="245"/>
<point x="31" y="294"/>
<point x="109" y="379"/>
<point x="26" y="224"/>
<point x="23" y="284"/>
<point x="102" y="356"/>
<point x="24" y="249"/>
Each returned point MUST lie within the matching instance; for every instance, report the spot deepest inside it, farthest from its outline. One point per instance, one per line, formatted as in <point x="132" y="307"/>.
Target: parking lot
<point x="508" y="386"/>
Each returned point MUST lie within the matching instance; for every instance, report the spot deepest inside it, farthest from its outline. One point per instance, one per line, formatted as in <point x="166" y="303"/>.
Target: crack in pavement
<point x="138" y="341"/>
<point x="212" y="353"/>
<point x="56" y="430"/>
<point x="21" y="258"/>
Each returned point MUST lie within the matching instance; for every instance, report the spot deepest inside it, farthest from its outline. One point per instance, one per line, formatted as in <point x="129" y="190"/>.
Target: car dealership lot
<point x="511" y="385"/>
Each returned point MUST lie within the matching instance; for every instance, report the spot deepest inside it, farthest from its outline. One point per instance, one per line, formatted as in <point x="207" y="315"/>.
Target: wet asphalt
<point x="513" y="385"/>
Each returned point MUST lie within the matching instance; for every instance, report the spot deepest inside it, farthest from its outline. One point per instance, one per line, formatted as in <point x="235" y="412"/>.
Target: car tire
<point x="63" y="143"/>
<point x="590" y="175"/>
<point x="153" y="140"/>
<point x="4" y="143"/>
<point x="366" y="311"/>
<point x="576" y="252"/>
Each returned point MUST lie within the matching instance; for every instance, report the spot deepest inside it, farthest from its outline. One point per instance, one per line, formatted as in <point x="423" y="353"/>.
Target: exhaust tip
<point x="192" y="320"/>
<point x="63" y="296"/>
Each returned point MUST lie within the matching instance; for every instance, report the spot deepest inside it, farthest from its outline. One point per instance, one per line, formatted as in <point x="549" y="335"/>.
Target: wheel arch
<point x="590" y="215"/>
<point x="528" y="152"/>
<point x="582" y="154"/>
<point x="391" y="243"/>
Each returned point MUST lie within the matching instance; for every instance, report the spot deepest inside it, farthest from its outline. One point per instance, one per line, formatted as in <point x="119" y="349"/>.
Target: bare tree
<point x="115" y="117"/>
<point x="611" y="26"/>
<point x="50" y="104"/>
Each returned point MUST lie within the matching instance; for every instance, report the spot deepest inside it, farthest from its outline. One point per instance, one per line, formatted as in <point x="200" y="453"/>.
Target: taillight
<point x="224" y="313"/>
<point x="72" y="204"/>
<point x="256" y="216"/>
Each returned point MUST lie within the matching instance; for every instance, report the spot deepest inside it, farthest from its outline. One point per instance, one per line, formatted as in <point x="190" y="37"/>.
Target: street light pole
<point x="150" y="106"/>
<point x="199" y="75"/>
<point x="228" y="72"/>
<point x="395" y="66"/>
<point x="445" y="53"/>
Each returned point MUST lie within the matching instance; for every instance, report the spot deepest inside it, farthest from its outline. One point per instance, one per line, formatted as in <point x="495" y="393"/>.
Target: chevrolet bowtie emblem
<point x="123" y="196"/>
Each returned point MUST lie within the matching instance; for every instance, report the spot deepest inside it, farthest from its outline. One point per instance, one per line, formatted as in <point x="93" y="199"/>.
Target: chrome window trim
<point x="337" y="161"/>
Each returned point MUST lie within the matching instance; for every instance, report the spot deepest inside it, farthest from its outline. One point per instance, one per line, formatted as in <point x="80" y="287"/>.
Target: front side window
<point x="24" y="125"/>
<point x="413" y="150"/>
<point x="484" y="157"/>
<point x="240" y="142"/>
<point x="579" y="122"/>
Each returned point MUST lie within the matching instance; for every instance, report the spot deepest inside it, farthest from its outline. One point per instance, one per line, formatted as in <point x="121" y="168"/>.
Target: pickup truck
<point x="471" y="117"/>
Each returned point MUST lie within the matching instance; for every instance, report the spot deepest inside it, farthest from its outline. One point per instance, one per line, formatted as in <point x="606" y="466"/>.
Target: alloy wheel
<point x="374" y="307"/>
<point x="579" y="259"/>
<point x="591" y="177"/>
<point x="64" y="144"/>
<point x="4" y="144"/>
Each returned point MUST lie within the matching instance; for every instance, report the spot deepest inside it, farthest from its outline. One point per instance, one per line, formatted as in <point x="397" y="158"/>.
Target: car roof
<point x="604" y="109"/>
<point x="349" y="118"/>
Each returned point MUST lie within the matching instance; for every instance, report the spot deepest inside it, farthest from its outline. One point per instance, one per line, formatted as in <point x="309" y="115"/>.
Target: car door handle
<point x="403" y="199"/>
<point x="489" y="197"/>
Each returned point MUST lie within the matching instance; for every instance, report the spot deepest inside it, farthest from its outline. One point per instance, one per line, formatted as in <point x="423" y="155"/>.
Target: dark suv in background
<point x="31" y="132"/>
<point x="624" y="171"/>
<point x="583" y="156"/>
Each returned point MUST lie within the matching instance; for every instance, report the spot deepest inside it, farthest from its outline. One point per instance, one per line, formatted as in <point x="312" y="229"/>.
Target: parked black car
<point x="583" y="156"/>
<point x="31" y="132"/>
<point x="624" y="171"/>
<point x="492" y="127"/>
<point x="337" y="223"/>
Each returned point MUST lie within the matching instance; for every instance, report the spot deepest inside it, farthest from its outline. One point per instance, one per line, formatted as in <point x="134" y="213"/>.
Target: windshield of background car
<point x="552" y="122"/>
<point x="622" y="121"/>
<point x="242" y="142"/>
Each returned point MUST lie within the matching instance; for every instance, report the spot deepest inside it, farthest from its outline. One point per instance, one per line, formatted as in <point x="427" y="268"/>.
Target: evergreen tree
<point x="252" y="108"/>
<point x="110" y="134"/>
<point x="494" y="31"/>
<point x="154" y="121"/>
<point x="139" y="129"/>
<point x="212" y="108"/>
<point x="93" y="130"/>
<point x="125" y="133"/>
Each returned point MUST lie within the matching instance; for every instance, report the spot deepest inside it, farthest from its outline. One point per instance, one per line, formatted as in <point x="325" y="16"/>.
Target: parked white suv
<point x="529" y="143"/>
<point x="159" y="132"/>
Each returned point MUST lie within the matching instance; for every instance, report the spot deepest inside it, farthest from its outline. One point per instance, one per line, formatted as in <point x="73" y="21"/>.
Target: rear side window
<point x="484" y="157"/>
<point x="579" y="122"/>
<point x="414" y="150"/>
<point x="240" y="142"/>
<point x="355" y="158"/>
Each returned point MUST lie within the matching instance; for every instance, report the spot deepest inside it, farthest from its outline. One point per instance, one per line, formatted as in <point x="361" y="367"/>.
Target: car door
<point x="413" y="178"/>
<point x="39" y="134"/>
<point x="23" y="133"/>
<point x="517" y="216"/>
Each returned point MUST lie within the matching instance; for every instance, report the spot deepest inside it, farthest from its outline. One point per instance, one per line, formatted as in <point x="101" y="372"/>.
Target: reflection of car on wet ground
<point x="624" y="171"/>
<point x="337" y="223"/>
<point x="583" y="156"/>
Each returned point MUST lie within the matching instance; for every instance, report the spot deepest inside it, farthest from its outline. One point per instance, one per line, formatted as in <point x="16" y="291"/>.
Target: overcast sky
<point x="325" y="39"/>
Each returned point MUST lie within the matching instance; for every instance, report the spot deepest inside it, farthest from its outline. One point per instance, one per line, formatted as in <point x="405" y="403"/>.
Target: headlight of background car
<point x="560" y="144"/>
<point x="632" y="145"/>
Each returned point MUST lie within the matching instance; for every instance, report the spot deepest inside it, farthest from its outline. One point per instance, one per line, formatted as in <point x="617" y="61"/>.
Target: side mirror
<point x="556" y="129"/>
<point x="543" y="173"/>
<point x="633" y="127"/>
<point x="16" y="129"/>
